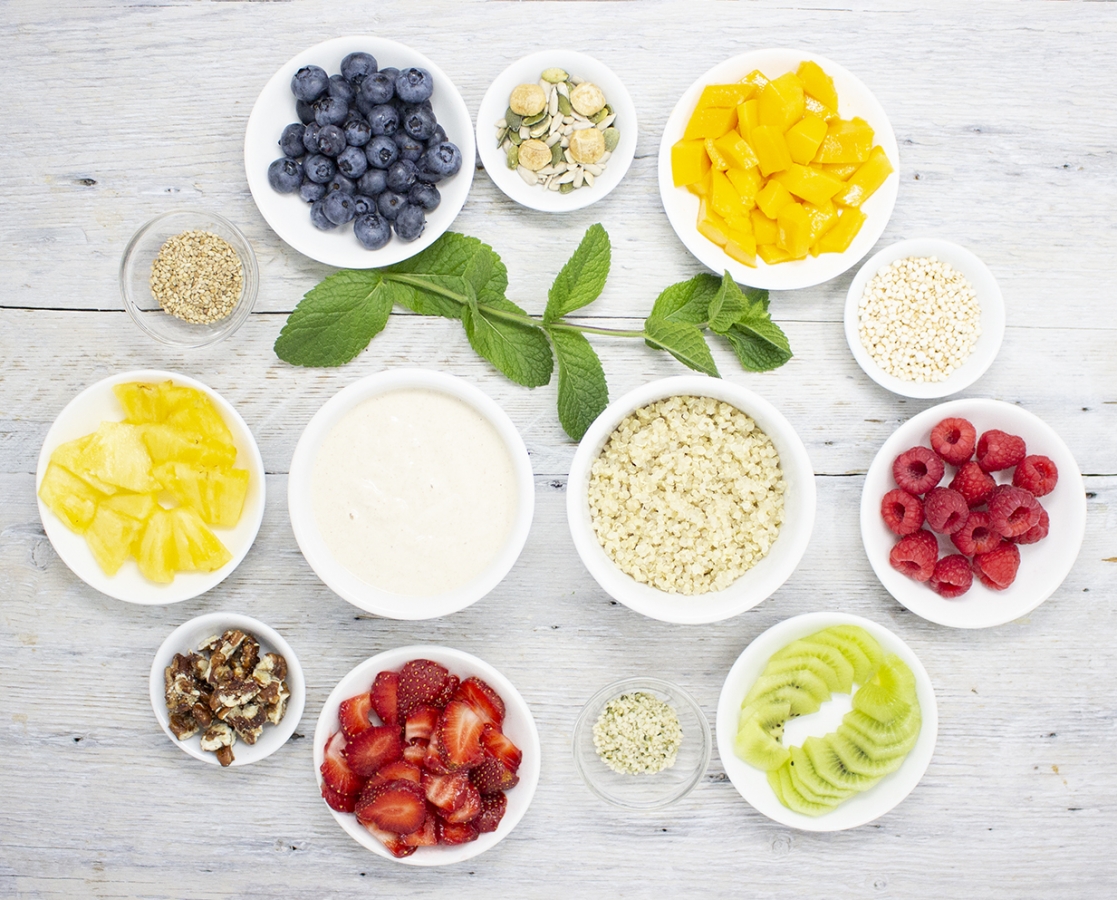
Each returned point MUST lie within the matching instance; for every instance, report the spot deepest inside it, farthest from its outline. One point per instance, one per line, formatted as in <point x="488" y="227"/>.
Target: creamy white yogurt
<point x="414" y="492"/>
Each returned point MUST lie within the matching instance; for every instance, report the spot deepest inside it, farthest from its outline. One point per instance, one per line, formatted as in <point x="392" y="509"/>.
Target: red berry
<point x="384" y="697"/>
<point x="915" y="555"/>
<point x="902" y="512"/>
<point x="459" y="736"/>
<point x="998" y="450"/>
<point x="973" y="484"/>
<point x="1037" y="532"/>
<point x="485" y="701"/>
<point x="373" y="748"/>
<point x="954" y="440"/>
<point x="1036" y="474"/>
<point x="1013" y="510"/>
<point x="395" y="806"/>
<point x="952" y="576"/>
<point x="336" y="771"/>
<point x="492" y="811"/>
<point x="946" y="510"/>
<point x="353" y="715"/>
<point x="420" y="683"/>
<point x="917" y="470"/>
<point x="997" y="568"/>
<point x="976" y="535"/>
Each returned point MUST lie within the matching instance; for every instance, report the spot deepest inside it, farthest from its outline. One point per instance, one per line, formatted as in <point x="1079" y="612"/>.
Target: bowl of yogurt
<point x="411" y="494"/>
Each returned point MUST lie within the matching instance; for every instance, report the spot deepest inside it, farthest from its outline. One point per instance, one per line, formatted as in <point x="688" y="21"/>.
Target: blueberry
<point x="338" y="207"/>
<point x="363" y="205"/>
<point x="392" y="72"/>
<point x="383" y="119"/>
<point x="341" y="89"/>
<point x="357" y="66"/>
<point x="376" y="89"/>
<point x="331" y="140"/>
<point x="341" y="183"/>
<point x="291" y="141"/>
<point x="420" y="124"/>
<point x="357" y="131"/>
<point x="373" y="182"/>
<point x="311" y="190"/>
<point x="304" y="111"/>
<point x="309" y="83"/>
<point x="445" y="159"/>
<point x="410" y="222"/>
<point x="389" y="204"/>
<point x="319" y="168"/>
<point x="352" y="162"/>
<point x="425" y="196"/>
<point x="372" y="231"/>
<point x="318" y="216"/>
<point x="425" y="175"/>
<point x="414" y="85"/>
<point x="285" y="175"/>
<point x="409" y="148"/>
<point x="330" y="111"/>
<point x="381" y="151"/>
<point x="401" y="176"/>
<point x="438" y="137"/>
<point x="310" y="137"/>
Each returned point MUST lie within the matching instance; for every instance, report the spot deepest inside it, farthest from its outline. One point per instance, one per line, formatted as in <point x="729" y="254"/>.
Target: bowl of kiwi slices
<point x="826" y="721"/>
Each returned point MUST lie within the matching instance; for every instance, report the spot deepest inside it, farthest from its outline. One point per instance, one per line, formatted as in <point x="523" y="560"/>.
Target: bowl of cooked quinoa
<point x="691" y="499"/>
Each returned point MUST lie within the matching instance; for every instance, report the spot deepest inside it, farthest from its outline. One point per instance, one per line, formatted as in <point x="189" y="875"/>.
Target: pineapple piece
<point x="69" y="456"/>
<point x="197" y="548"/>
<point x="157" y="555"/>
<point x="111" y="536"/>
<point x="689" y="162"/>
<point x="217" y="494"/>
<point x="817" y="83"/>
<point x="194" y="413"/>
<point x="116" y="454"/>
<point x="70" y="498"/>
<point x="165" y="443"/>
<point x="138" y="506"/>
<point x="143" y="402"/>
<point x="782" y="102"/>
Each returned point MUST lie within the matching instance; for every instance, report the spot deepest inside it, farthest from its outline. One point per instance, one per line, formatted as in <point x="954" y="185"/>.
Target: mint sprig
<point x="459" y="277"/>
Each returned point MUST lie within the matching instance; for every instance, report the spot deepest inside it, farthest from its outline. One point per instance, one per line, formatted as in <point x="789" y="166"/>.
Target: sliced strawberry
<point x="427" y="836"/>
<point x="353" y="715"/>
<point x="340" y="802"/>
<point x="415" y="753"/>
<point x="374" y="748"/>
<point x="470" y="806"/>
<point x="499" y="745"/>
<point x="336" y="771"/>
<point x="459" y="735"/>
<point x="447" y="792"/>
<point x="400" y="770"/>
<point x="420" y="723"/>
<point x="493" y="809"/>
<point x="453" y="833"/>
<point x="432" y="762"/>
<point x="420" y="682"/>
<point x="385" y="697"/>
<point x="393" y="842"/>
<point x="485" y="701"/>
<point x="451" y="685"/>
<point x="395" y="806"/>
<point x="492" y="777"/>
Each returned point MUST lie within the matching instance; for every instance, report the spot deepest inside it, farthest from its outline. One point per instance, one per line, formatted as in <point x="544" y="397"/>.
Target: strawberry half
<point x="400" y="770"/>
<point x="492" y="811"/>
<point x="353" y="715"/>
<point x="420" y="683"/>
<point x="485" y="701"/>
<point x="427" y="836"/>
<point x="491" y="776"/>
<point x="420" y="723"/>
<point x="500" y="746"/>
<point x="336" y="771"/>
<point x="334" y="800"/>
<point x="374" y="748"/>
<point x="384" y="697"/>
<point x="432" y="762"/>
<point x="415" y="753"/>
<point x="447" y="694"/>
<point x="469" y="808"/>
<point x="393" y="842"/>
<point x="447" y="792"/>
<point x="459" y="736"/>
<point x="395" y="806"/>
<point x="453" y="833"/>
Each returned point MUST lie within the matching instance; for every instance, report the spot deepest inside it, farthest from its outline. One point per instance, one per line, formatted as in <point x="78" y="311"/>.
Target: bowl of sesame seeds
<point x="189" y="278"/>
<point x="924" y="318"/>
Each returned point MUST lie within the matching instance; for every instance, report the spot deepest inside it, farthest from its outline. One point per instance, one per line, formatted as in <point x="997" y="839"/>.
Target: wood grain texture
<point x="1004" y="117"/>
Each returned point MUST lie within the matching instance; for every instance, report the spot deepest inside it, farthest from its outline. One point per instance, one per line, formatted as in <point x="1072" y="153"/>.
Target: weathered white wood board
<point x="1004" y="115"/>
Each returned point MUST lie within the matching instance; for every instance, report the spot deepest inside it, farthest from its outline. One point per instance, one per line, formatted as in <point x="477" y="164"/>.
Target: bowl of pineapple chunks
<point x="780" y="167"/>
<point x="150" y="487"/>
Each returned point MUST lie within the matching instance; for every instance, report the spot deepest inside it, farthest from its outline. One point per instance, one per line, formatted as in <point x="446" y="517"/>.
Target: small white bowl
<point x="81" y="416"/>
<point x="187" y="637"/>
<point x="682" y="206"/>
<point x="289" y="216"/>
<point x="755" y="585"/>
<point x="300" y="500"/>
<point x="1043" y="565"/>
<point x="988" y="297"/>
<point x="519" y="725"/>
<point x="752" y="783"/>
<point x="528" y="71"/>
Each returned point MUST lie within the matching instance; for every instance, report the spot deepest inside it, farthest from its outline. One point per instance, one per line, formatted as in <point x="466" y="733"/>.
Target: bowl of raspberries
<point x="973" y="513"/>
<point x="359" y="152"/>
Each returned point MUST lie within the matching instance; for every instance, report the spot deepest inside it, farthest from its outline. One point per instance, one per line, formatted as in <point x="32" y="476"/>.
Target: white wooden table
<point x="116" y="112"/>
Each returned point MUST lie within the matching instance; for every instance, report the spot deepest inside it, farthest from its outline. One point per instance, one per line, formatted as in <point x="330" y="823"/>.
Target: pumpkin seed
<point x="513" y="156"/>
<point x="566" y="188"/>
<point x="612" y="138"/>
<point x="599" y="115"/>
<point x="512" y="120"/>
<point x="606" y="122"/>
<point x="557" y="154"/>
<point x="564" y="106"/>
<point x="515" y="138"/>
<point x="554" y="75"/>
<point x="538" y="117"/>
<point x="540" y="129"/>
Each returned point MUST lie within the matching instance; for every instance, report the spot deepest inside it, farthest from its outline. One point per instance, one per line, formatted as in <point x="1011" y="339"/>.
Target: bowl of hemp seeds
<point x="189" y="278"/>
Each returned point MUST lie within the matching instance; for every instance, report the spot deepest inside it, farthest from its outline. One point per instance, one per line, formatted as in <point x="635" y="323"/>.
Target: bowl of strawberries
<point x="973" y="513"/>
<point x="426" y="755"/>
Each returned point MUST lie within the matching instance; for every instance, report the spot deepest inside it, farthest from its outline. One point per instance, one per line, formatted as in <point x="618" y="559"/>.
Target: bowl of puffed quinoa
<point x="924" y="318"/>
<point x="691" y="499"/>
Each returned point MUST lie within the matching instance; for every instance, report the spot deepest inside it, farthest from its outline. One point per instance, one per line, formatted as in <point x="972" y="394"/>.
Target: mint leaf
<point x="520" y="351"/>
<point x="683" y="341"/>
<point x="759" y="343"/>
<point x="726" y="306"/>
<point x="582" y="391"/>
<point x="452" y="271"/>
<point x="687" y="301"/>
<point x="582" y="278"/>
<point x="336" y="319"/>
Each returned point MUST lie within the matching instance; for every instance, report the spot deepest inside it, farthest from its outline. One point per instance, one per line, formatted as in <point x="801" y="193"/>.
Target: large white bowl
<point x="528" y="71"/>
<point x="519" y="725"/>
<point x="989" y="298"/>
<point x="81" y="416"/>
<point x="682" y="206"/>
<point x="1043" y="565"/>
<point x="289" y="216"/>
<point x="755" y="585"/>
<point x="752" y="783"/>
<point x="314" y="548"/>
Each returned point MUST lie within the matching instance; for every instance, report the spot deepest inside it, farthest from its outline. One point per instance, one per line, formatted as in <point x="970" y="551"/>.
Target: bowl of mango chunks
<point x="779" y="167"/>
<point x="150" y="487"/>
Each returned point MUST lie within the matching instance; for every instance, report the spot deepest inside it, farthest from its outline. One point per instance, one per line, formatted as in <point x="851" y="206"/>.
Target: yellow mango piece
<point x="815" y="108"/>
<point x="701" y="188"/>
<point x="782" y="102"/>
<point x="795" y="231"/>
<point x="710" y="123"/>
<point x="111" y="536"/>
<point x="156" y="553"/>
<point x="748" y="117"/>
<point x="809" y="184"/>
<point x="838" y="170"/>
<point x="746" y="182"/>
<point x="864" y="182"/>
<point x="69" y="456"/>
<point x="717" y="160"/>
<point x="741" y="245"/>
<point x="138" y="506"/>
<point x="817" y="83"/>
<point x="724" y="198"/>
<point x="166" y="443"/>
<point x="217" y="494"/>
<point x="196" y="547"/>
<point x="689" y="162"/>
<point x="822" y="217"/>
<point x="772" y="198"/>
<point x="711" y="225"/>
<point x="838" y="238"/>
<point x="725" y="95"/>
<point x="70" y="498"/>
<point x="845" y="142"/>
<point x="804" y="137"/>
<point x="756" y="78"/>
<point x="736" y="151"/>
<point x="771" y="254"/>
<point x="116" y="454"/>
<point x="771" y="149"/>
<point x="764" y="228"/>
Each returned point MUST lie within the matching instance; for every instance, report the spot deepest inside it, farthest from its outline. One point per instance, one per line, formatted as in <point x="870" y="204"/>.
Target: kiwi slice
<point x="834" y="659"/>
<point x="812" y="663"/>
<point x="758" y="735"/>
<point x="859" y="755"/>
<point x="893" y="735"/>
<point x="862" y="665"/>
<point x="865" y="641"/>
<point x="810" y="784"/>
<point x="830" y="767"/>
<point x="776" y="785"/>
<point x="800" y="687"/>
<point x="880" y="703"/>
<point x="894" y="674"/>
<point x="791" y="798"/>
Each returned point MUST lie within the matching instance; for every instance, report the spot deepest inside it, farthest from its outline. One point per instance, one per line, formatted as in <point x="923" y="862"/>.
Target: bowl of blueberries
<point x="359" y="152"/>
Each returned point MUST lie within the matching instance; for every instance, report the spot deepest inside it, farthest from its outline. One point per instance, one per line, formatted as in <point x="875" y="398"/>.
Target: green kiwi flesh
<point x="758" y="735"/>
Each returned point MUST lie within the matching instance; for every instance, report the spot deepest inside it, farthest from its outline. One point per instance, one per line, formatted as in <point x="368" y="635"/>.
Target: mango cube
<point x="701" y="187"/>
<point x="838" y="238"/>
<point x="822" y="217"/>
<point x="771" y="254"/>
<point x="736" y="151"/>
<point x="756" y="78"/>
<point x="804" y="137"/>
<point x="864" y="182"/>
<point x="717" y="158"/>
<point x="772" y="198"/>
<point x="814" y="108"/>
<point x="845" y="142"/>
<point x="741" y="245"/>
<point x="782" y="101"/>
<point x="809" y="184"/>
<point x="763" y="228"/>
<point x="689" y="162"/>
<point x="710" y="225"/>
<point x="724" y="198"/>
<point x="817" y="83"/>
<point x="838" y="170"/>
<point x="771" y="149"/>
<point x="748" y="117"/>
<point x="725" y="95"/>
<point x="795" y="231"/>
<point x="746" y="182"/>
<point x="710" y="122"/>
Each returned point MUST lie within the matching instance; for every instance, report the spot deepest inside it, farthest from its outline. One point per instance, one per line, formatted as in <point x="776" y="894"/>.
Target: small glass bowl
<point x="135" y="279"/>
<point x="644" y="791"/>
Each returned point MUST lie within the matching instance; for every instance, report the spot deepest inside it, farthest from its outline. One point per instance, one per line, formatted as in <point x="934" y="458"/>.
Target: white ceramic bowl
<point x="752" y="783"/>
<point x="682" y="206"/>
<point x="187" y="637"/>
<point x="314" y="548"/>
<point x="519" y="725"/>
<point x="289" y="216"/>
<point x="1043" y="565"/>
<point x="81" y="416"/>
<point x="528" y="71"/>
<point x="763" y="579"/>
<point x="988" y="297"/>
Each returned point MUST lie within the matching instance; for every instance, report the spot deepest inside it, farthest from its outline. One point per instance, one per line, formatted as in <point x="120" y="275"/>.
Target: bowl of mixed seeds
<point x="556" y="131"/>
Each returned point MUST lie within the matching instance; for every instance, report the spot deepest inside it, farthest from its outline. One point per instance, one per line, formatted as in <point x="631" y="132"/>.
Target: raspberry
<point x="917" y="470"/>
<point x="945" y="510"/>
<point x="997" y="450"/>
<point x="976" y="535"/>
<point x="1037" y="532"/>
<point x="1036" y="474"/>
<point x="954" y="440"/>
<point x="952" y="576"/>
<point x="973" y="484"/>
<point x="915" y="555"/>
<point x="1013" y="510"/>
<point x="902" y="512"/>
<point x="997" y="568"/>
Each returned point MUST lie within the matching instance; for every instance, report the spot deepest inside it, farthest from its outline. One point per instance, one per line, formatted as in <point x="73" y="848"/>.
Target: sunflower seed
<point x="554" y="139"/>
<point x="579" y="177"/>
<point x="528" y="176"/>
<point x="594" y="169"/>
<point x="606" y="122"/>
<point x="553" y="102"/>
<point x="589" y="178"/>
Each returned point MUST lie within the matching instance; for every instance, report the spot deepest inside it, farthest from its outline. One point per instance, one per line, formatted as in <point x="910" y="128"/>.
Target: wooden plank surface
<point x="1004" y="116"/>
